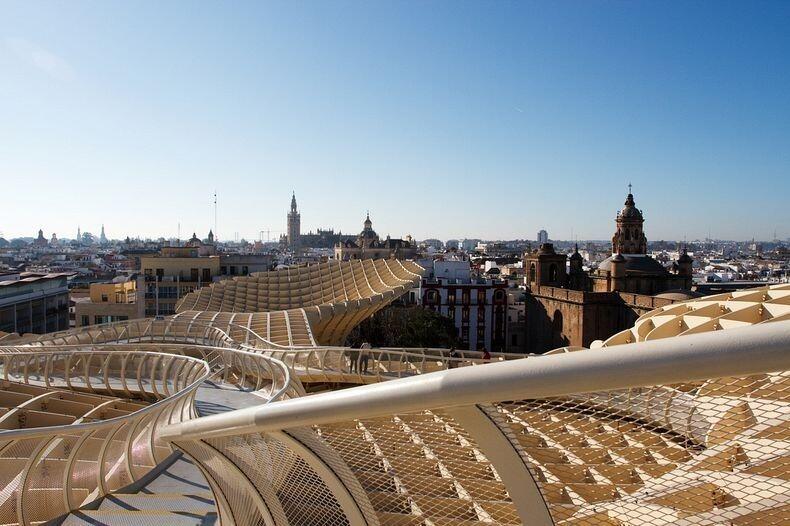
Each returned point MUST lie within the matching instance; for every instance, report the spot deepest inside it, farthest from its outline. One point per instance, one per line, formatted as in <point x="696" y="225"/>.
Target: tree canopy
<point x="405" y="326"/>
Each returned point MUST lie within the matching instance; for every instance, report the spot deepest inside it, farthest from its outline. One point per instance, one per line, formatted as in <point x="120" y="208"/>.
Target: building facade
<point x="174" y="273"/>
<point x="566" y="305"/>
<point x="367" y="245"/>
<point x="244" y="264"/>
<point x="108" y="303"/>
<point x="321" y="238"/>
<point x="478" y="307"/>
<point x="33" y="302"/>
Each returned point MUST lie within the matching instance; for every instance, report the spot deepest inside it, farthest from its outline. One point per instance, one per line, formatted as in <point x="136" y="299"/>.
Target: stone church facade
<point x="568" y="306"/>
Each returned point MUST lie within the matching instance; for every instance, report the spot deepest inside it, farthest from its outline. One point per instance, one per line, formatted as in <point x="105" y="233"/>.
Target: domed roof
<point x="634" y="263"/>
<point x="630" y="211"/>
<point x="367" y="231"/>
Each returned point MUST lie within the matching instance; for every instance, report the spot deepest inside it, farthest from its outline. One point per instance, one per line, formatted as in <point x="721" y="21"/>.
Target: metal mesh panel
<point x="710" y="453"/>
<point x="283" y="479"/>
<point x="422" y="468"/>
<point x="304" y="497"/>
<point x="44" y="489"/>
<point x="238" y="500"/>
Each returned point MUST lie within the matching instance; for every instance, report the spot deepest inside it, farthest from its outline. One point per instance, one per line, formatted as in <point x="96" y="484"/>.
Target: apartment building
<point x="477" y="306"/>
<point x="32" y="302"/>
<point x="172" y="274"/>
<point x="110" y="302"/>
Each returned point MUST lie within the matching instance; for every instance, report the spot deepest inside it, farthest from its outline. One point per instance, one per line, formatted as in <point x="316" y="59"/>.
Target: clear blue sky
<point x="476" y="119"/>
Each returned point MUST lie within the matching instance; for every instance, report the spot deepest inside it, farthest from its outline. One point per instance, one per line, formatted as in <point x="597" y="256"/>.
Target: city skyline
<point x="273" y="236"/>
<point x="450" y="121"/>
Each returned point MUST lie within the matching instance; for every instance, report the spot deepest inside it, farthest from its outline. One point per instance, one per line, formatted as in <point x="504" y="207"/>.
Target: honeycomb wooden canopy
<point x="308" y="305"/>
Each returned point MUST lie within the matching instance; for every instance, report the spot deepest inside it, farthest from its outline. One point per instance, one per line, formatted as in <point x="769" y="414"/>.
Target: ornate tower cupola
<point x="629" y="237"/>
<point x="368" y="237"/>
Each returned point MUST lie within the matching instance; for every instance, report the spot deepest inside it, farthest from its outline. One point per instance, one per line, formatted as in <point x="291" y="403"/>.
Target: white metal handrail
<point x="744" y="351"/>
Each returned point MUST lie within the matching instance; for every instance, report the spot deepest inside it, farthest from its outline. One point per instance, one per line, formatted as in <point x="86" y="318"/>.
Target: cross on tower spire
<point x="629" y="188"/>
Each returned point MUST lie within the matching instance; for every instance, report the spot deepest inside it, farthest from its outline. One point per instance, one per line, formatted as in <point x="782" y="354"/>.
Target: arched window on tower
<point x="557" y="322"/>
<point x="532" y="273"/>
<point x="627" y="234"/>
<point x="553" y="273"/>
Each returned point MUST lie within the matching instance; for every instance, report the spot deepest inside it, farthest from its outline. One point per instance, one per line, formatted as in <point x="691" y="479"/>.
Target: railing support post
<point x="503" y="455"/>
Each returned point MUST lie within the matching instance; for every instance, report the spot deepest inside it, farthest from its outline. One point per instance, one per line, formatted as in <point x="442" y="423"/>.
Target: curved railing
<point x="49" y="471"/>
<point x="530" y="441"/>
<point x="344" y="364"/>
<point x="325" y="363"/>
<point x="136" y="331"/>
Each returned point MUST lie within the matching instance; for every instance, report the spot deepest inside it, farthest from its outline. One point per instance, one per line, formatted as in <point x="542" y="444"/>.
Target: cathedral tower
<point x="294" y="220"/>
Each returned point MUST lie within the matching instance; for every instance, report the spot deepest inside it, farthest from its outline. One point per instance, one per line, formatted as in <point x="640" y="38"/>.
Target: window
<point x="160" y="273"/>
<point x="432" y="297"/>
<point x="532" y="273"/>
<point x="245" y="270"/>
<point x="85" y="320"/>
<point x="104" y="298"/>
<point x="557" y="323"/>
<point x="553" y="273"/>
<point x="481" y="297"/>
<point x="451" y="296"/>
<point x="109" y="319"/>
<point x="168" y="292"/>
<point x="206" y="275"/>
<point x="233" y="270"/>
<point x="193" y="274"/>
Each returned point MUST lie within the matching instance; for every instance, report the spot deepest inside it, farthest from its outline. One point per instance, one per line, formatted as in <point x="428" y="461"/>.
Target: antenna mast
<point x="216" y="235"/>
